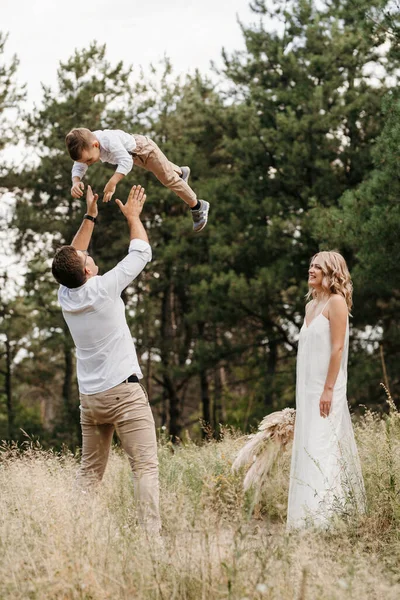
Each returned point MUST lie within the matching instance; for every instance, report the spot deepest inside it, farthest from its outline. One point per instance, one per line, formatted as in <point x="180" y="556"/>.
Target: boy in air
<point x="124" y="150"/>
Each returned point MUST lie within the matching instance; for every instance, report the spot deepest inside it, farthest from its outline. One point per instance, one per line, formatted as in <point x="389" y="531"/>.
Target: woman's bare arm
<point x="337" y="314"/>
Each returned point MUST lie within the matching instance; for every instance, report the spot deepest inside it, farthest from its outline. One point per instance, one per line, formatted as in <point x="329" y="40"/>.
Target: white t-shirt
<point x="95" y="315"/>
<point x="115" y="146"/>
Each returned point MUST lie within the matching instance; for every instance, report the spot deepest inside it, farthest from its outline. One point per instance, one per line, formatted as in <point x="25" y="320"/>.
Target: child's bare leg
<point x="149" y="156"/>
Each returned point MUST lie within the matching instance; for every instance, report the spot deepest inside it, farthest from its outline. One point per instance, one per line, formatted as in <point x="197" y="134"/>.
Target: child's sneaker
<point x="200" y="216"/>
<point x="185" y="174"/>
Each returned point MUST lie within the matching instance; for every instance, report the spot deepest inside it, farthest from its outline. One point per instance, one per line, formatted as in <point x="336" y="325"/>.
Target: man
<point x="108" y="371"/>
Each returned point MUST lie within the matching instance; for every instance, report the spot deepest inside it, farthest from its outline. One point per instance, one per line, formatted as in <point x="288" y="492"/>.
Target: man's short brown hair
<point x="78" y="140"/>
<point x="67" y="267"/>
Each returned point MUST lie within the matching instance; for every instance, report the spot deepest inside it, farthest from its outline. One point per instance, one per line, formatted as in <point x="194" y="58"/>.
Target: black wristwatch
<point x="90" y="218"/>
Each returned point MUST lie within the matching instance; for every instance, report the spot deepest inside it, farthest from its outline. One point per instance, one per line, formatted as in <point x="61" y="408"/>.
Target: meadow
<point x="57" y="544"/>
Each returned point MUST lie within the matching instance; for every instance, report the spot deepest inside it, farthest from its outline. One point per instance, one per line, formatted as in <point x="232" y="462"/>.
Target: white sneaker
<point x="185" y="174"/>
<point x="200" y="216"/>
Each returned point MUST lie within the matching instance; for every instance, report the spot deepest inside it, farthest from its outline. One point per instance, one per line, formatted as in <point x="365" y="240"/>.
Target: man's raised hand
<point x="91" y="202"/>
<point x="133" y="206"/>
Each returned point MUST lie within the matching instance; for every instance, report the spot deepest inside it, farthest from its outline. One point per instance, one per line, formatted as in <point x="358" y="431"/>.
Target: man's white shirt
<point x="115" y="146"/>
<point x="95" y="315"/>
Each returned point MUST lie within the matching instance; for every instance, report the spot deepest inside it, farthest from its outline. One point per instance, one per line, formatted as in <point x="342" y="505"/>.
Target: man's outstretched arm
<point x="139" y="254"/>
<point x="131" y="211"/>
<point x="83" y="236"/>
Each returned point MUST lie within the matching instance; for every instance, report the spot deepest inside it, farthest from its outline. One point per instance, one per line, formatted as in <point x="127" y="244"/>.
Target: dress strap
<point x="325" y="305"/>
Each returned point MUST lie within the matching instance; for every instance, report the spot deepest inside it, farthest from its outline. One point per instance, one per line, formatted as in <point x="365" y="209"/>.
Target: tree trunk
<point x="217" y="404"/>
<point x="8" y="389"/>
<point x="175" y="425"/>
<point x="164" y="408"/>
<point x="175" y="421"/>
<point x="204" y="389"/>
<point x="149" y="386"/>
<point x="269" y="398"/>
<point x="218" y="416"/>
<point x="67" y="384"/>
<point x="167" y="338"/>
<point x="71" y="411"/>
<point x="205" y="400"/>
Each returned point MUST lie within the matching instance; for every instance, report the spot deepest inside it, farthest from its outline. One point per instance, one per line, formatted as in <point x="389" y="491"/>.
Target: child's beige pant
<point x="125" y="408"/>
<point x="149" y="156"/>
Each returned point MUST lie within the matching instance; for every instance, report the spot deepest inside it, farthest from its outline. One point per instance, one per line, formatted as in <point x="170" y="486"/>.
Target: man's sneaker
<point x="185" y="174"/>
<point x="200" y="216"/>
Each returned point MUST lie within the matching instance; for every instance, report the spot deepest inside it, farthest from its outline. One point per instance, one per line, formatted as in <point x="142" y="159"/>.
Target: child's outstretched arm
<point x="124" y="161"/>
<point x="77" y="188"/>
<point x="111" y="185"/>
<point x="78" y="172"/>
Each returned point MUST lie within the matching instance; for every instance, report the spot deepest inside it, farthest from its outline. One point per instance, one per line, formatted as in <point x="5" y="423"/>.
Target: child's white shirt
<point x="115" y="148"/>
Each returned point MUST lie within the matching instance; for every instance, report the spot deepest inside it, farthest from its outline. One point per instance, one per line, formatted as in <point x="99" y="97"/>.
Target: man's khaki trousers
<point x="149" y="156"/>
<point x="126" y="409"/>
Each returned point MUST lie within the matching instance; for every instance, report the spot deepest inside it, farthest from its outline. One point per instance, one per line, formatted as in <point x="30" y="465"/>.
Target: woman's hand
<point x="325" y="403"/>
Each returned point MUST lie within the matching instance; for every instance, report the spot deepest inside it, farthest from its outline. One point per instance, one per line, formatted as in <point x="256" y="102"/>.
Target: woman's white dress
<point x="325" y="477"/>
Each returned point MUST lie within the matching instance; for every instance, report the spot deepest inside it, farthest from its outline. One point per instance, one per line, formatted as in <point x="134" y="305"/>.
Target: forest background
<point x="295" y="143"/>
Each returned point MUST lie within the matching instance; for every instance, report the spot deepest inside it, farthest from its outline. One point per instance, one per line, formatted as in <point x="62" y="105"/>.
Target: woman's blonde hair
<point x="336" y="277"/>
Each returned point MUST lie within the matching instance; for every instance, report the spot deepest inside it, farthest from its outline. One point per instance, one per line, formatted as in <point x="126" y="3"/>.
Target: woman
<point x="325" y="476"/>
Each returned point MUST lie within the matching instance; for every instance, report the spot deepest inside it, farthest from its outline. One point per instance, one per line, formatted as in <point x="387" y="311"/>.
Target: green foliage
<point x="367" y="222"/>
<point x="298" y="133"/>
<point x="293" y="151"/>
<point x="10" y="96"/>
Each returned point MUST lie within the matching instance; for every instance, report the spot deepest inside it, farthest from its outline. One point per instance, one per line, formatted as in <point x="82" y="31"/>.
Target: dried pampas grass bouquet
<point x="260" y="452"/>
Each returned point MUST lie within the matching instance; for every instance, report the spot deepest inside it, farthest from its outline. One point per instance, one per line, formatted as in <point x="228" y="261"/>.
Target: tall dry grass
<point x="57" y="544"/>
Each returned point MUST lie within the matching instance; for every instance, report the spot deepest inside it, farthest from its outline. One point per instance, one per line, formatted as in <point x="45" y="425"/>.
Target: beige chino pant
<point x="124" y="408"/>
<point x="148" y="155"/>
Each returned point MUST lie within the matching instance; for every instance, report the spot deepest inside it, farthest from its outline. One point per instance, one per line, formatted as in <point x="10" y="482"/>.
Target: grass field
<point x="57" y="544"/>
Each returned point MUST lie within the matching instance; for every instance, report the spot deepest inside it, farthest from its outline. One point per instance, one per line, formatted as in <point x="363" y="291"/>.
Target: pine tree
<point x="366" y="224"/>
<point x="306" y="113"/>
<point x="11" y="96"/>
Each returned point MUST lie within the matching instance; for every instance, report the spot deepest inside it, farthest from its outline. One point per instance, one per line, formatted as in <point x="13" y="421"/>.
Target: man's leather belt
<point x="132" y="379"/>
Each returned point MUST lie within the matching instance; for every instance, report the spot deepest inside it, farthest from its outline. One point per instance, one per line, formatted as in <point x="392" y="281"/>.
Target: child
<point x="124" y="150"/>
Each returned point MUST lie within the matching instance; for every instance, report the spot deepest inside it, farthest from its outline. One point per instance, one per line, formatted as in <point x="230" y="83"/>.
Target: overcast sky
<point x="190" y="32"/>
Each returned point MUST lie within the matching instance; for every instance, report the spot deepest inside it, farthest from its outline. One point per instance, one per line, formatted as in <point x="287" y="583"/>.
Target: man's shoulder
<point x="75" y="293"/>
<point x="86" y="297"/>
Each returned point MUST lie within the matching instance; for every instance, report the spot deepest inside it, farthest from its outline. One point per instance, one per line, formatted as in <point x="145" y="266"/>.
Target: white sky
<point x="190" y="32"/>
